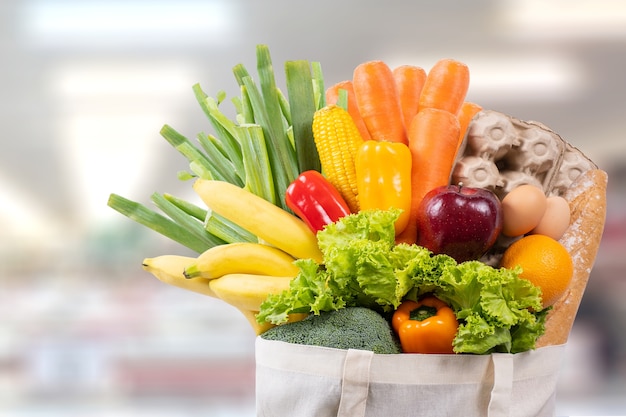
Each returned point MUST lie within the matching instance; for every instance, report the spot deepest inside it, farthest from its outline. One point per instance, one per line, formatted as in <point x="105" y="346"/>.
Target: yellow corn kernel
<point x="337" y="140"/>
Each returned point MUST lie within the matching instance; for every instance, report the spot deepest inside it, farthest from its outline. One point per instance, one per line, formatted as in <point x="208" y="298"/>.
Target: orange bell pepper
<point x="383" y="178"/>
<point x="426" y="326"/>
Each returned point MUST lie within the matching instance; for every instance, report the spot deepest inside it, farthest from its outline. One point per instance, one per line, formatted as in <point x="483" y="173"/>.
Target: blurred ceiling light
<point x="125" y="22"/>
<point x="105" y="79"/>
<point x="23" y="219"/>
<point x="110" y="116"/>
<point x="526" y="78"/>
<point x="516" y="77"/>
<point x="109" y="153"/>
<point x="563" y="18"/>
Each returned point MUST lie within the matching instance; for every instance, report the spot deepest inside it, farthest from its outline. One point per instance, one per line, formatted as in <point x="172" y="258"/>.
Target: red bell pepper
<point x="315" y="200"/>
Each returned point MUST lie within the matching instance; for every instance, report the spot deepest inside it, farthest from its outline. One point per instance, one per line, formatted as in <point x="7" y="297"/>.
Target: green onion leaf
<point x="199" y="164"/>
<point x="224" y="169"/>
<point x="227" y="230"/>
<point x="259" y="179"/>
<point x="318" y="85"/>
<point x="189" y="208"/>
<point x="157" y="222"/>
<point x="190" y="223"/>
<point x="301" y="94"/>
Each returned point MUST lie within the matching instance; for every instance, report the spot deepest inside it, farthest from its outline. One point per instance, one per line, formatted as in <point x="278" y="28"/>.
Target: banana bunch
<point x="242" y="274"/>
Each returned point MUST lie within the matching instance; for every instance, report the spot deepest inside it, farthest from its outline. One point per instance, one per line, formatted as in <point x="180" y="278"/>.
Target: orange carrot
<point x="433" y="136"/>
<point x="409" y="82"/>
<point x="466" y="114"/>
<point x="377" y="99"/>
<point x="446" y="85"/>
<point x="332" y="95"/>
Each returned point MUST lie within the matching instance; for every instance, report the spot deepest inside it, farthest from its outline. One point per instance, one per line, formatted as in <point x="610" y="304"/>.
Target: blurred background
<point x="87" y="85"/>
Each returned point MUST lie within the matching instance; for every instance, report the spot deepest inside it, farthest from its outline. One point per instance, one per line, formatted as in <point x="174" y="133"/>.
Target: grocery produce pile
<point x="387" y="194"/>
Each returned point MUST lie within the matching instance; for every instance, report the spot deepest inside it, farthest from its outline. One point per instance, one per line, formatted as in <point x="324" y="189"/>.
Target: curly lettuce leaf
<point x="488" y="302"/>
<point x="362" y="266"/>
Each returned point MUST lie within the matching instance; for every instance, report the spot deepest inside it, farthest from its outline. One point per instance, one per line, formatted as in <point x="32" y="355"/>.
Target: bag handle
<point x="355" y="385"/>
<point x="500" y="401"/>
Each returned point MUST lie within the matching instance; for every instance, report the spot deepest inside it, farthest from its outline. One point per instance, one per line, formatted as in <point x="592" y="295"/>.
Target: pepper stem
<point x="422" y="313"/>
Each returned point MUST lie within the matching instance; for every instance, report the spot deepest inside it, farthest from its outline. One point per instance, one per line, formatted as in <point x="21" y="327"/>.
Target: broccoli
<point x="347" y="328"/>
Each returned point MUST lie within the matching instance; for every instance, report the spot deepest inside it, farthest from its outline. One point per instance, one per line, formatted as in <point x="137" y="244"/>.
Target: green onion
<point x="226" y="129"/>
<point x="189" y="208"/>
<point x="263" y="149"/>
<point x="226" y="230"/>
<point x="157" y="222"/>
<point x="190" y="223"/>
<point x="276" y="124"/>
<point x="259" y="179"/>
<point x="301" y="94"/>
<point x="222" y="167"/>
<point x="284" y="106"/>
<point x="199" y="164"/>
<point x="247" y="114"/>
<point x="318" y="85"/>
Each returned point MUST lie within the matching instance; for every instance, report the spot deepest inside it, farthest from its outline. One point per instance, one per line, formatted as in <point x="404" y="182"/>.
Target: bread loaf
<point x="587" y="199"/>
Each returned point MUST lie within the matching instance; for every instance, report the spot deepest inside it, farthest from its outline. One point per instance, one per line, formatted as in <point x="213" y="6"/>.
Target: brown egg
<point x="522" y="210"/>
<point x="555" y="220"/>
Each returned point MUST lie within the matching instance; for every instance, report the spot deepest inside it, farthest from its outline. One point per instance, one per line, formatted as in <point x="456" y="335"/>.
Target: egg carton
<point x="501" y="152"/>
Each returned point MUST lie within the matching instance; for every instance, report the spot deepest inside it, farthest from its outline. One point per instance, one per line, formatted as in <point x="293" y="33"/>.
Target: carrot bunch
<point x="426" y="111"/>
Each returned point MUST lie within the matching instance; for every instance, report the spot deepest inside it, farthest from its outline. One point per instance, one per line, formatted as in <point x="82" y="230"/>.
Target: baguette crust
<point x="587" y="199"/>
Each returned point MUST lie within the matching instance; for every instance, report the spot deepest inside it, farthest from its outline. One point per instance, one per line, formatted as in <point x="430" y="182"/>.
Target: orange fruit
<point x="544" y="262"/>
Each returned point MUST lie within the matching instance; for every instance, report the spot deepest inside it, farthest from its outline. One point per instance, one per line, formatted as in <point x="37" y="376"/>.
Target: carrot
<point x="377" y="99"/>
<point x="409" y="82"/>
<point x="446" y="85"/>
<point x="433" y="136"/>
<point x="332" y="96"/>
<point x="466" y="114"/>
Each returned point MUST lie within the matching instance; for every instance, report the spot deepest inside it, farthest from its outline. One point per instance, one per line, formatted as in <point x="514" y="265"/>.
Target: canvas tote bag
<point x="310" y="381"/>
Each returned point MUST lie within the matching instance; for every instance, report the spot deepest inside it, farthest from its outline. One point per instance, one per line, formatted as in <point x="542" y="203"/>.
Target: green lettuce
<point x="362" y="266"/>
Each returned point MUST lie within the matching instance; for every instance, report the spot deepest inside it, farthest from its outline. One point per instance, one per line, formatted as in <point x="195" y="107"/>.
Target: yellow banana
<point x="170" y="270"/>
<point x="251" y="317"/>
<point x="267" y="221"/>
<point x="242" y="257"/>
<point x="260" y="328"/>
<point x="248" y="291"/>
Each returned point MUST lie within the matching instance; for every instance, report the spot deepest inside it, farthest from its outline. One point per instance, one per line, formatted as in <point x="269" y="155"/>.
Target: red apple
<point x="462" y="222"/>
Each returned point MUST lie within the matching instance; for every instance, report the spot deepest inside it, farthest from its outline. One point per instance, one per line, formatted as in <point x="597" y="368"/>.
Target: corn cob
<point x="337" y="140"/>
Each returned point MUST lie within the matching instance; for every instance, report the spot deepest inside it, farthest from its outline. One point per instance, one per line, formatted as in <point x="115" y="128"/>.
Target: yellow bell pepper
<point x="383" y="178"/>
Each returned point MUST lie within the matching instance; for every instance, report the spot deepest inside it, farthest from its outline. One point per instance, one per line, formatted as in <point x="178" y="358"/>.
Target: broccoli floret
<point x="347" y="328"/>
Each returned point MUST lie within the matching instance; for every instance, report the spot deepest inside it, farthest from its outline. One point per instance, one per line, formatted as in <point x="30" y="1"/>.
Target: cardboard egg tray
<point x="501" y="152"/>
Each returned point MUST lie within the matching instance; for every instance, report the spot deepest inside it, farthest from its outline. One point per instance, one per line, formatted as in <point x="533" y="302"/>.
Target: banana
<point x="170" y="270"/>
<point x="258" y="328"/>
<point x="267" y="221"/>
<point x="242" y="291"/>
<point x="242" y="257"/>
<point x="248" y="291"/>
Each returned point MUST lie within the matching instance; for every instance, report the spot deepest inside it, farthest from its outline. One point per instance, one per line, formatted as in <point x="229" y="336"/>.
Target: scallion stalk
<point x="300" y="90"/>
<point x="188" y="222"/>
<point x="198" y="161"/>
<point x="157" y="222"/>
<point x="223" y="168"/>
<point x="226" y="230"/>
<point x="259" y="179"/>
<point x="189" y="208"/>
<point x="318" y="84"/>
